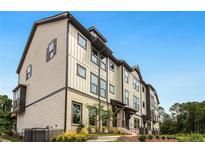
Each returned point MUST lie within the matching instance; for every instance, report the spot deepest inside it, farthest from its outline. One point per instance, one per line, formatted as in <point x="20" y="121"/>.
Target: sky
<point x="169" y="47"/>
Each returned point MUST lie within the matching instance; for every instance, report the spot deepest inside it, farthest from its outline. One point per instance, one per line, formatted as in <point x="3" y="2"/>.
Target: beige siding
<point x="48" y="112"/>
<point x="47" y="77"/>
<point x="84" y="100"/>
<point x="115" y="78"/>
<point x="79" y="55"/>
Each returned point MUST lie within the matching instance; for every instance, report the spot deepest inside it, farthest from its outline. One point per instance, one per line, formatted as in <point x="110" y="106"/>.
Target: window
<point x="51" y="50"/>
<point x="126" y="76"/>
<point x="103" y="88"/>
<point x="126" y="97"/>
<point x="28" y="72"/>
<point x="81" y="71"/>
<point x="94" y="83"/>
<point x="82" y="41"/>
<point x="76" y="113"/>
<point x="103" y="62"/>
<point x="112" y="66"/>
<point x="112" y="89"/>
<point x="136" y="123"/>
<point x="143" y="104"/>
<point x="136" y="103"/>
<point x="143" y="89"/>
<point x="136" y="84"/>
<point x="94" y="57"/>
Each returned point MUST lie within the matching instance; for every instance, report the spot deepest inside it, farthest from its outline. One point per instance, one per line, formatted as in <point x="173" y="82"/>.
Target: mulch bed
<point x="135" y="139"/>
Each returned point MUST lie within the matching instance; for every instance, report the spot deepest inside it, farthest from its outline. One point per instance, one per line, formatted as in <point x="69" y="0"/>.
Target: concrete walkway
<point x="104" y="139"/>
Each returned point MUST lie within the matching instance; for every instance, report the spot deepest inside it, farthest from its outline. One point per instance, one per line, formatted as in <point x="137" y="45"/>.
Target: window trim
<point x="97" y="86"/>
<point x="105" y="69"/>
<point x="81" y="112"/>
<point x="78" y="65"/>
<point x="110" y="62"/>
<point x="48" y="58"/>
<point x="102" y="88"/>
<point x="125" y="70"/>
<point x="80" y="35"/>
<point x="95" y="57"/>
<point x="127" y="98"/>
<point x="137" y="119"/>
<point x="29" y="66"/>
<point x="110" y="85"/>
<point x="137" y="87"/>
<point x="137" y="103"/>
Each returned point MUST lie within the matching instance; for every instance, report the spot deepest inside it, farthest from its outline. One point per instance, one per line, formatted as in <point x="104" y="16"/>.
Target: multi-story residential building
<point x="64" y="67"/>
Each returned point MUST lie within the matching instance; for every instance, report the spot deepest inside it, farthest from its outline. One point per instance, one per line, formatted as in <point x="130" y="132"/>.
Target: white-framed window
<point x="82" y="41"/>
<point x="143" y="104"/>
<point x="103" y="62"/>
<point x="136" y="103"/>
<point x="51" y="50"/>
<point x="126" y="97"/>
<point x="112" y="89"/>
<point x="103" y="88"/>
<point x="126" y="76"/>
<point x="143" y="89"/>
<point x="112" y="66"/>
<point x="94" y="56"/>
<point x="81" y="71"/>
<point x="28" y="72"/>
<point x="136" y="84"/>
<point x="93" y="83"/>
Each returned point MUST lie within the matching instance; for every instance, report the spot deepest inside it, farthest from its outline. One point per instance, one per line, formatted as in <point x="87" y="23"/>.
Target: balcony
<point x="19" y="99"/>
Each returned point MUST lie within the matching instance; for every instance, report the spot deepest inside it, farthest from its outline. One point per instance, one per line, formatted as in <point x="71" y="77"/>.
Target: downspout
<point x="66" y="75"/>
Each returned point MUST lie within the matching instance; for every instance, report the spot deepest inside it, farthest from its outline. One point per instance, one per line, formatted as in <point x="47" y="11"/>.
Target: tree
<point x="6" y="123"/>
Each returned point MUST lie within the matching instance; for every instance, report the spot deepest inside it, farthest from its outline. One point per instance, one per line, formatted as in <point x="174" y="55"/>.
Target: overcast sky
<point x="169" y="47"/>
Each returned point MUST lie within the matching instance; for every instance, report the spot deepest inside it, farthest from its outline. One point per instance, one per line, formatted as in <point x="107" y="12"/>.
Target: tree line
<point x="186" y="117"/>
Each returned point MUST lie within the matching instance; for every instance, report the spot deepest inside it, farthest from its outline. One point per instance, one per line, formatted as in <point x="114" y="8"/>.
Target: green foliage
<point x="6" y="123"/>
<point x="72" y="136"/>
<point x="185" y="118"/>
<point x="157" y="137"/>
<point x="150" y="137"/>
<point x="142" y="138"/>
<point x="194" y="137"/>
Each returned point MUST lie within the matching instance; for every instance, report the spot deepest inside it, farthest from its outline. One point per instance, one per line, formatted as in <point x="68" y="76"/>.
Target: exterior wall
<point x="132" y="92"/>
<point x="48" y="112"/>
<point x="84" y="100"/>
<point x="115" y="78"/>
<point x="47" y="77"/>
<point x="79" y="55"/>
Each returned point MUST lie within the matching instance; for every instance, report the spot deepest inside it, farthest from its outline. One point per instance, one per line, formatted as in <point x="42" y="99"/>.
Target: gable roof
<point x="96" y="42"/>
<point x="93" y="28"/>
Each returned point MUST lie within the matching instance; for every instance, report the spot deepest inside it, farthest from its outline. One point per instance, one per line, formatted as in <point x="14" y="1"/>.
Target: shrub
<point x="157" y="137"/>
<point x="150" y="137"/>
<point x="116" y="131"/>
<point x="142" y="138"/>
<point x="163" y="137"/>
<point x="72" y="136"/>
<point x="190" y="138"/>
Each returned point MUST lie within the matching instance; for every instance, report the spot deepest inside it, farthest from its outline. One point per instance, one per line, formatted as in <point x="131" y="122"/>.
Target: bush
<point x="190" y="138"/>
<point x="142" y="138"/>
<point x="72" y="136"/>
<point x="150" y="137"/>
<point x="116" y="131"/>
<point x="157" y="137"/>
<point x="163" y="137"/>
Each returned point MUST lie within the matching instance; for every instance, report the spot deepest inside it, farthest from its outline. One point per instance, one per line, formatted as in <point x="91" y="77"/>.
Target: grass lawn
<point x="12" y="139"/>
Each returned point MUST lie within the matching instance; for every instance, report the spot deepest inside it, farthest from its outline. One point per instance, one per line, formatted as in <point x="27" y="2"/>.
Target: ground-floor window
<point x="136" y="123"/>
<point x="76" y="113"/>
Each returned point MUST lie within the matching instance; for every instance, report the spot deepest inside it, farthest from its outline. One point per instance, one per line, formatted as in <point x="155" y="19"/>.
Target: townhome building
<point x="65" y="67"/>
